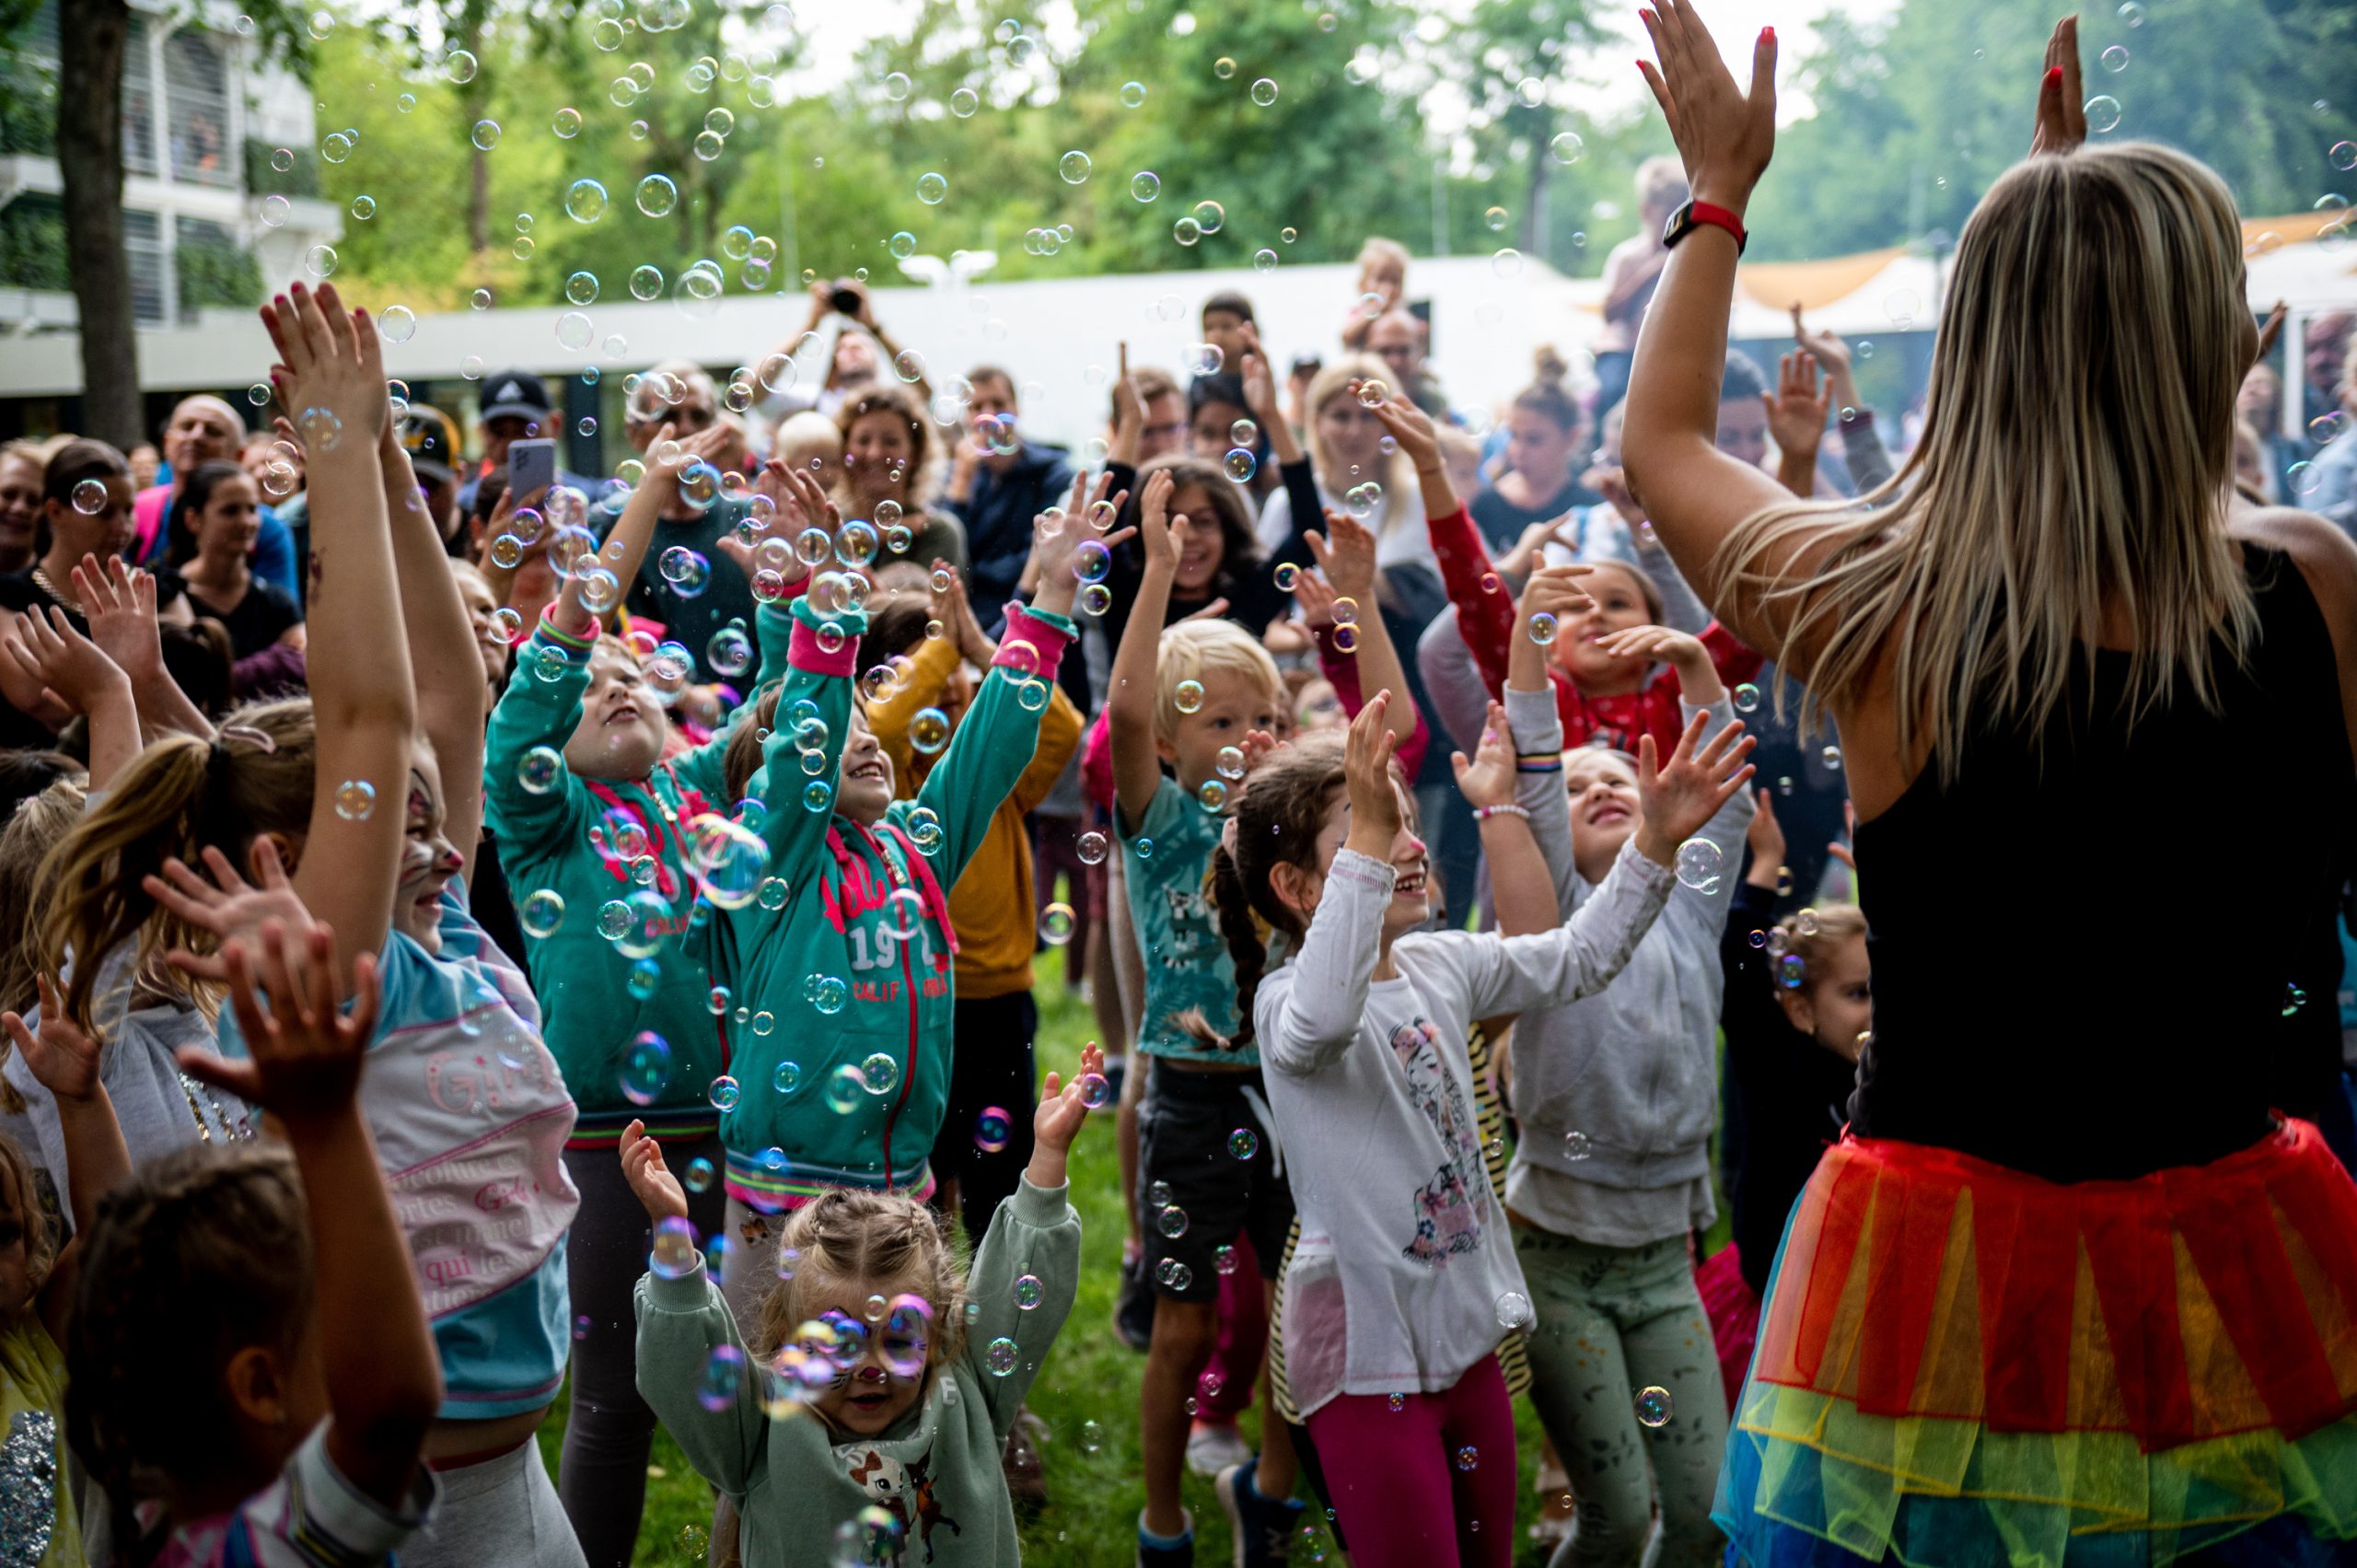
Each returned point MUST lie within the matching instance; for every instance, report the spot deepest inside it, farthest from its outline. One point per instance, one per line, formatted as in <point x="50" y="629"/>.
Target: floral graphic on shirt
<point x="905" y="1490"/>
<point x="1448" y="1207"/>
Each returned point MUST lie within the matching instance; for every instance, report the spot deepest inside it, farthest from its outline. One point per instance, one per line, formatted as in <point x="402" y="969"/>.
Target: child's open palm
<point x="330" y="363"/>
<point x="64" y="1059"/>
<point x="1488" y="778"/>
<point x="1680" y="796"/>
<point x="120" y="602"/>
<point x="1410" y="426"/>
<point x="306" y="1055"/>
<point x="228" y="906"/>
<point x="1161" y="543"/>
<point x="1345" y="552"/>
<point x="50" y="650"/>
<point x="658" y="1191"/>
<point x="1062" y="1109"/>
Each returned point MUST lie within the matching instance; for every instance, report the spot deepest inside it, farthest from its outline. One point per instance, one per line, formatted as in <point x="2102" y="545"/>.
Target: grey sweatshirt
<point x="1634" y="1069"/>
<point x="936" y="1471"/>
<point x="1395" y="1286"/>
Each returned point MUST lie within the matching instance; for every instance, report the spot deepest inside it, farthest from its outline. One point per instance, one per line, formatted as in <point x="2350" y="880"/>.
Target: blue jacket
<point x="998" y="521"/>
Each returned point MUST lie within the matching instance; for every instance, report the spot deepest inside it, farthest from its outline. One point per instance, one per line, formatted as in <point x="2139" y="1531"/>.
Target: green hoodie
<point x="561" y="839"/>
<point x="855" y="966"/>
<point x="936" y="1471"/>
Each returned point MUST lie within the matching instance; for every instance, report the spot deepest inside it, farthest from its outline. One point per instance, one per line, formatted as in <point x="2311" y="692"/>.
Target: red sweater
<point x="1486" y="619"/>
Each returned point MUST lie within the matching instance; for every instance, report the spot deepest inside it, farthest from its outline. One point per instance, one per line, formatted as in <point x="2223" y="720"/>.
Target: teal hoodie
<point x="562" y="839"/>
<point x="936" y="1471"/>
<point x="847" y="1084"/>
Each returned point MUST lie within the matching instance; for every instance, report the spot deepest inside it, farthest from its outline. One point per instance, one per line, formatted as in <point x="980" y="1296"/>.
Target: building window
<point x="196" y="89"/>
<point x="143" y="242"/>
<point x="212" y="268"/>
<point x="138" y="101"/>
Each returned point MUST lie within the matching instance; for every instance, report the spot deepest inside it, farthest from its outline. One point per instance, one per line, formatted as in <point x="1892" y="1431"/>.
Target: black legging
<point x="601" y="1479"/>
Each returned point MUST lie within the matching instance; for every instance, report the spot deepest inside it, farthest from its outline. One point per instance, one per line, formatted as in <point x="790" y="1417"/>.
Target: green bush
<point x="302" y="180"/>
<point x="215" y="273"/>
<point x="32" y="244"/>
<point x="27" y="107"/>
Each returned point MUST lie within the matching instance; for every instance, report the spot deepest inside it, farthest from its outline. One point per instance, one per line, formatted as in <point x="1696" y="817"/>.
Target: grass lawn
<point x="1093" y="1499"/>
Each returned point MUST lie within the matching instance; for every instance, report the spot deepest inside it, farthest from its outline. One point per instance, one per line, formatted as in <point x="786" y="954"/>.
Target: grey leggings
<point x="1612" y="1321"/>
<point x="501" y="1510"/>
<point x="602" y="1475"/>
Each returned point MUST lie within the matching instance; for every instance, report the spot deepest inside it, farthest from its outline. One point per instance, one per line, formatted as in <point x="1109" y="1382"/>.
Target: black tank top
<point x="2117" y="959"/>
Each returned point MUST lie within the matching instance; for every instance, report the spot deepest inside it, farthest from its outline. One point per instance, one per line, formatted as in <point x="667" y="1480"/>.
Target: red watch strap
<point x="1705" y="211"/>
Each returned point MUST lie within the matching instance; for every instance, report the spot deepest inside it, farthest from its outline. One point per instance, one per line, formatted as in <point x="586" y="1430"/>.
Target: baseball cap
<point x="515" y="394"/>
<point x="431" y="441"/>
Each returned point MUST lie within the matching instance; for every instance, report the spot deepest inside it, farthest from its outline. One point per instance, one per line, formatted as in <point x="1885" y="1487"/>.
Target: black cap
<point x="432" y="443"/>
<point x="514" y="394"/>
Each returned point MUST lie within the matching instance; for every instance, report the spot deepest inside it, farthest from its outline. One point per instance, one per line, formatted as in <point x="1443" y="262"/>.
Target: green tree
<point x="1917" y="113"/>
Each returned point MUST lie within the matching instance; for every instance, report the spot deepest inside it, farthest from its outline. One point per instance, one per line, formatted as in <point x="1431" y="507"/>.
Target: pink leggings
<point x="1430" y="1484"/>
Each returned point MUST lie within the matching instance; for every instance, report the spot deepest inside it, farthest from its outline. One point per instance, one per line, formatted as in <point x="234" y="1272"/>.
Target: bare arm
<point x="1521" y="887"/>
<point x="120" y="602"/>
<point x="362" y="701"/>
<point x="50" y="651"/>
<point x="1129" y="706"/>
<point x="1695" y="495"/>
<point x="1348" y="561"/>
<point x="452" y="702"/>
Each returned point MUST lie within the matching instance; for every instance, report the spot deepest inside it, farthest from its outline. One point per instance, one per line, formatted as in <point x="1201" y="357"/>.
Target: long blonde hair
<point x="180" y="796"/>
<point x="1394" y="472"/>
<point x="2078" y="450"/>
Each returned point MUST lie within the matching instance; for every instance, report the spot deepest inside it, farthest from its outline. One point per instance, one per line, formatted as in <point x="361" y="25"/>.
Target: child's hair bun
<point x="1549" y="364"/>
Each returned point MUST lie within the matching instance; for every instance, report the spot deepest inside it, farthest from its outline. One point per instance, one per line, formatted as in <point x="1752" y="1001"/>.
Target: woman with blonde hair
<point x="1349" y="451"/>
<point x="1991" y="1333"/>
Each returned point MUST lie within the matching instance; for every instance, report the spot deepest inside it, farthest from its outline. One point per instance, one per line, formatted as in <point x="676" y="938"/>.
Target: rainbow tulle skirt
<point x="1959" y="1366"/>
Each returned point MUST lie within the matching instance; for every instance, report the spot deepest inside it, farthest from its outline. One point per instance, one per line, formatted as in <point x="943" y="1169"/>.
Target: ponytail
<point x="179" y="798"/>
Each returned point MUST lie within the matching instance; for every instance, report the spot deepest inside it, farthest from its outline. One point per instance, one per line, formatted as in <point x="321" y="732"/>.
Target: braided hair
<point x="200" y="1255"/>
<point x="1278" y="819"/>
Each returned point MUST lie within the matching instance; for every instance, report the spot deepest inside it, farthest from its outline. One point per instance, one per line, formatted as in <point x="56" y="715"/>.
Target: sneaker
<point x="1263" y="1528"/>
<point x="1214" y="1446"/>
<point x="1153" y="1553"/>
<point x="1133" y="1307"/>
<point x="1020" y="1460"/>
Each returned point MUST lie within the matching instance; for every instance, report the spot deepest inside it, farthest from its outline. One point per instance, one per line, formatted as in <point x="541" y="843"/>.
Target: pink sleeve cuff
<point x="1044" y="642"/>
<point x="806" y="653"/>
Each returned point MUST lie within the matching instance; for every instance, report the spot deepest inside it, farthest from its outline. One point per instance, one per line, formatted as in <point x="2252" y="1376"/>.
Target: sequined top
<point x="37" y="1524"/>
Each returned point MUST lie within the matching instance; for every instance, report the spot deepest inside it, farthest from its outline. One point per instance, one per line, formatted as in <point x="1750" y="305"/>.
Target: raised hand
<point x="1129" y="412"/>
<point x="1366" y="780"/>
<point x="658" y="1191"/>
<point x="2270" y="330"/>
<point x="1766" y="837"/>
<point x="955" y="612"/>
<point x="1345" y="552"/>
<point x="1062" y="1110"/>
<point x="305" y="1055"/>
<point x="1259" y="386"/>
<point x="119" y="601"/>
<point x="1724" y="135"/>
<point x="1316" y="595"/>
<point x="1155" y="536"/>
<point x="1825" y="343"/>
<point x="228" y="906"/>
<point x="2061" y="97"/>
<point x="331" y="365"/>
<point x="64" y="1059"/>
<point x="1488" y="777"/>
<point x="50" y="650"/>
<point x="1056" y="542"/>
<point x="1797" y="408"/>
<point x="1408" y="425"/>
<point x="1611" y="482"/>
<point x="1679" y="796"/>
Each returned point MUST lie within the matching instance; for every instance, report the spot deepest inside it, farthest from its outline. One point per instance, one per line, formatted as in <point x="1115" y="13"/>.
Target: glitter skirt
<point x="1959" y="1364"/>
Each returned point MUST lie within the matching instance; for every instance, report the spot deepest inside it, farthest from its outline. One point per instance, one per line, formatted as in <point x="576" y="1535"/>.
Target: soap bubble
<point x="1513" y="1310"/>
<point x="674" y="1254"/>
<point x="1699" y="863"/>
<point x="355" y="799"/>
<point x="992" y="1129"/>
<point x="1567" y="147"/>
<point x="543" y="913"/>
<point x="1056" y="924"/>
<point x="1002" y="1356"/>
<point x="1145" y="185"/>
<point x="646" y="1068"/>
<point x="1132" y="95"/>
<point x="1189" y="697"/>
<point x="1243" y="1144"/>
<point x="1074" y="167"/>
<point x="657" y="196"/>
<point x="2102" y="112"/>
<point x="1653" y="1407"/>
<point x="1576" y="1146"/>
<point x="932" y="189"/>
<point x="1092" y="848"/>
<point x="725" y="1093"/>
<point x="1264" y="92"/>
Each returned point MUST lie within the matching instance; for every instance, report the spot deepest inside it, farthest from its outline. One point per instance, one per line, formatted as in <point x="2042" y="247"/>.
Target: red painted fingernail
<point x="2053" y="76"/>
<point x="1768" y="34"/>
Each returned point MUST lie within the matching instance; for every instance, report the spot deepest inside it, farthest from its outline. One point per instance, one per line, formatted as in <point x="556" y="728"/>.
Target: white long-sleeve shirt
<point x="1404" y="1254"/>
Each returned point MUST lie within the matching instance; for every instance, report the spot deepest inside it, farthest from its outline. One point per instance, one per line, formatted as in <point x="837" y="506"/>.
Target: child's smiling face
<point x="884" y="1364"/>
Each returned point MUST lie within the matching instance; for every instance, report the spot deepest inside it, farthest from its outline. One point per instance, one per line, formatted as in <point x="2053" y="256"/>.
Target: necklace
<point x="41" y="580"/>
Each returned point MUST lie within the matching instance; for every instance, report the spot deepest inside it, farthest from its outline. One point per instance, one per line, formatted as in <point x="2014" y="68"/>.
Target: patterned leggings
<point x="1613" y="1321"/>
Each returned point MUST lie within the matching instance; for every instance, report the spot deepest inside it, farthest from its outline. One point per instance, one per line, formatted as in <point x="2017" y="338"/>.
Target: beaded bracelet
<point x="1483" y="813"/>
